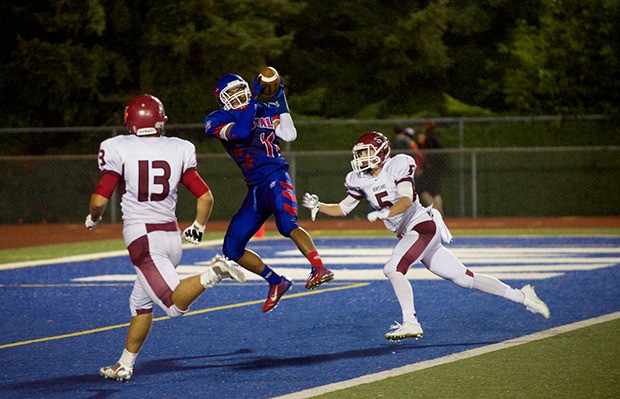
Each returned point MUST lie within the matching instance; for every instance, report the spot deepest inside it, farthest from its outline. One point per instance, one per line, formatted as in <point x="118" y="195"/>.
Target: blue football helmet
<point x="232" y="92"/>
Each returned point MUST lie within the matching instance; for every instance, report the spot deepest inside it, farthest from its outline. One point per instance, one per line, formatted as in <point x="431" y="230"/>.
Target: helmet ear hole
<point x="145" y="116"/>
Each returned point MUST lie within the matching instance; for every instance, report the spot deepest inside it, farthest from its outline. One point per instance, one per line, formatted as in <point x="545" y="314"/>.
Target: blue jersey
<point x="259" y="155"/>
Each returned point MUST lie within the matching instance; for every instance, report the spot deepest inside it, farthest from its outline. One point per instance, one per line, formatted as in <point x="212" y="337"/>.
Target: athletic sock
<point x="272" y="277"/>
<point x="315" y="259"/>
<point x="127" y="359"/>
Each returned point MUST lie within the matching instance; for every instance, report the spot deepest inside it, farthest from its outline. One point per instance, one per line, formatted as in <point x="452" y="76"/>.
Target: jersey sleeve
<point x="403" y="171"/>
<point x="216" y="121"/>
<point x="353" y="190"/>
<point x="189" y="156"/>
<point x="402" y="168"/>
<point x="110" y="158"/>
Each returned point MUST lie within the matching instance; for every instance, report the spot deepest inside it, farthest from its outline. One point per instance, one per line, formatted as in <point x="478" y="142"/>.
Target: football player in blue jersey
<point x="250" y="132"/>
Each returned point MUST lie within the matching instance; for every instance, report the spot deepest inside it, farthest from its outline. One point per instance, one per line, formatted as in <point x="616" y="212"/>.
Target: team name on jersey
<point x="264" y="122"/>
<point x="378" y="188"/>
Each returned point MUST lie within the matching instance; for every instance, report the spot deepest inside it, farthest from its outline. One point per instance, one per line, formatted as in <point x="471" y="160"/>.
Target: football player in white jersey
<point x="150" y="167"/>
<point x="388" y="185"/>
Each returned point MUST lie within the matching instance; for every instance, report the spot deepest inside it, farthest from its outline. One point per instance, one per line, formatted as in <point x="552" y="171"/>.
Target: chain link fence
<point x="477" y="181"/>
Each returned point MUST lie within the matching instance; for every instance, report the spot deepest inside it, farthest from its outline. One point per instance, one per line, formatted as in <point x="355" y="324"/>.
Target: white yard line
<point x="308" y="393"/>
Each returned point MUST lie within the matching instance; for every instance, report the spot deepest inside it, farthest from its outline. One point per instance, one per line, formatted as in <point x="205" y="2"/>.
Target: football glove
<point x="379" y="215"/>
<point x="280" y="99"/>
<point x="90" y="223"/>
<point x="257" y="88"/>
<point x="311" y="201"/>
<point x="194" y="233"/>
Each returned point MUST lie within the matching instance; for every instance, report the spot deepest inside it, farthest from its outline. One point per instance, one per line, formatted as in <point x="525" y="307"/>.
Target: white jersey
<point x="151" y="169"/>
<point x="381" y="191"/>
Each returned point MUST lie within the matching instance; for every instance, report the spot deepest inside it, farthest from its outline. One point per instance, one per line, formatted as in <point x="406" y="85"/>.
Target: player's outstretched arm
<point x="311" y="201"/>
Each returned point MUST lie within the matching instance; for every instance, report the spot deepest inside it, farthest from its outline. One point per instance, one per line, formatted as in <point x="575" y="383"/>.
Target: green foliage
<point x="567" y="60"/>
<point x="78" y="63"/>
<point x="456" y="108"/>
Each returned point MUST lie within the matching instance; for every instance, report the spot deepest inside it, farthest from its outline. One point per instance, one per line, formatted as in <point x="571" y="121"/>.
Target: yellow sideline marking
<point x="192" y="313"/>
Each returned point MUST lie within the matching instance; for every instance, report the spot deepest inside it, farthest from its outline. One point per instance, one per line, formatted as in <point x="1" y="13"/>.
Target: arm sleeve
<point x="241" y="129"/>
<point x="348" y="204"/>
<point x="405" y="189"/>
<point x="107" y="184"/>
<point x="194" y="183"/>
<point x="286" y="129"/>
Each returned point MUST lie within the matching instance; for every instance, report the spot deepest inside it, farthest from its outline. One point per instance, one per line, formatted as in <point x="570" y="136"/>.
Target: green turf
<point x="584" y="363"/>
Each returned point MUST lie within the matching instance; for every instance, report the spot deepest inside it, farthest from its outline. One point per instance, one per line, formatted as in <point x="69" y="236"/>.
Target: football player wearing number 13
<point x="151" y="167"/>
<point x="388" y="185"/>
<point x="250" y="133"/>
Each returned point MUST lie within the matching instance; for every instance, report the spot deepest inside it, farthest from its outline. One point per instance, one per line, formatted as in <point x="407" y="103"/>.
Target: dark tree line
<point x="68" y="63"/>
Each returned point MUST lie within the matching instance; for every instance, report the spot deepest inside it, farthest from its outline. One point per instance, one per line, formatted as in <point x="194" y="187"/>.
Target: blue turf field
<point x="61" y="322"/>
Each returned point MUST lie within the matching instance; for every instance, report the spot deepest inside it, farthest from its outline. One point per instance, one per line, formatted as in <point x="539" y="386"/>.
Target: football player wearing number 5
<point x="250" y="132"/>
<point x="388" y="185"/>
<point x="151" y="167"/>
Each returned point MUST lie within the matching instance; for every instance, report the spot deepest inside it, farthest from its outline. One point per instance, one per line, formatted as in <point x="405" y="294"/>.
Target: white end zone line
<point x="308" y="393"/>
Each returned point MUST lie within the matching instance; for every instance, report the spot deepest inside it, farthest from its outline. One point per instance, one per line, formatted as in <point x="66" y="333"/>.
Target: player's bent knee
<point x="387" y="271"/>
<point x="286" y="228"/>
<point x="233" y="252"/>
<point x="464" y="281"/>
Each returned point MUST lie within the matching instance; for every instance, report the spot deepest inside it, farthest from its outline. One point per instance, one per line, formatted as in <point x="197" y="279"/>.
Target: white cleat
<point x="405" y="330"/>
<point x="219" y="269"/>
<point x="117" y="372"/>
<point x="226" y="269"/>
<point x="533" y="303"/>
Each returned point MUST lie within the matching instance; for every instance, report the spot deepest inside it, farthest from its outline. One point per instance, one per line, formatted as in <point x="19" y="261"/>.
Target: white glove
<point x="90" y="223"/>
<point x="378" y="215"/>
<point x="194" y="232"/>
<point x="311" y="201"/>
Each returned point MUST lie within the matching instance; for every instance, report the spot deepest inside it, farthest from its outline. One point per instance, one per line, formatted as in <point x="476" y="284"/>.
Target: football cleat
<point x="318" y="276"/>
<point x="405" y="330"/>
<point x="117" y="372"/>
<point x="533" y="303"/>
<point x="224" y="268"/>
<point x="275" y="293"/>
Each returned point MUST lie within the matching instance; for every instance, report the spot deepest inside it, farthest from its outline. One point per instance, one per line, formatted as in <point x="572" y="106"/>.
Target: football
<point x="270" y="77"/>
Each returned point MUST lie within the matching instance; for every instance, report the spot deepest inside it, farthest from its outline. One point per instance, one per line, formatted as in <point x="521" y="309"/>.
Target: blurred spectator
<point x="404" y="140"/>
<point x="428" y="183"/>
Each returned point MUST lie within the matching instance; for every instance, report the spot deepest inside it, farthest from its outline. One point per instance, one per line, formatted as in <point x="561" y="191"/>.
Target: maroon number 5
<point x="379" y="197"/>
<point x="144" y="180"/>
